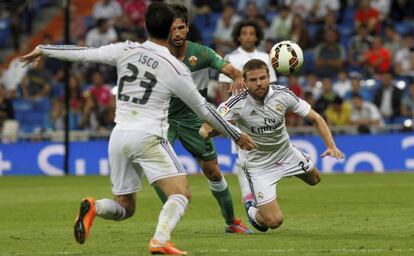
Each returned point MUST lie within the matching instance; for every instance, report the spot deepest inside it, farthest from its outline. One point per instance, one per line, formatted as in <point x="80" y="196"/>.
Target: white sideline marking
<point x="290" y="250"/>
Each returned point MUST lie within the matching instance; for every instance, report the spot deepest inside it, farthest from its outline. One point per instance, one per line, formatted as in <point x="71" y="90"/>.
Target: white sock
<point x="243" y="182"/>
<point x="218" y="185"/>
<point x="109" y="209"/>
<point x="170" y="214"/>
<point x="252" y="214"/>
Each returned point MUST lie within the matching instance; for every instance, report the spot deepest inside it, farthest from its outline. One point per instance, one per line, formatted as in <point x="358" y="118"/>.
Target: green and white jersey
<point x="198" y="59"/>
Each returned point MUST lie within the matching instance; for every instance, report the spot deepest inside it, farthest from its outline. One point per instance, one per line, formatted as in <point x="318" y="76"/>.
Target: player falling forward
<point x="184" y="123"/>
<point x="148" y="75"/>
<point x="247" y="34"/>
<point x="260" y="112"/>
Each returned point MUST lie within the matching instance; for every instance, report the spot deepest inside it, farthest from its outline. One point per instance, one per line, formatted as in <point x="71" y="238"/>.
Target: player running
<point x="148" y="75"/>
<point x="260" y="112"/>
<point x="184" y="123"/>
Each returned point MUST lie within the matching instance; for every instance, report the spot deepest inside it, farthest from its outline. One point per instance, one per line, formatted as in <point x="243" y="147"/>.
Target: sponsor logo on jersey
<point x="253" y="113"/>
<point x="192" y="60"/>
<point x="223" y="110"/>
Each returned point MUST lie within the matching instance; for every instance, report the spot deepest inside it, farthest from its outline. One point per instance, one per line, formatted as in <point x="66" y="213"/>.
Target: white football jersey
<point x="148" y="75"/>
<point x="265" y="123"/>
<point x="239" y="57"/>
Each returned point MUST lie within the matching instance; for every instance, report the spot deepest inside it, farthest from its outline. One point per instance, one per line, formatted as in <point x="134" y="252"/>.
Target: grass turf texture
<point x="361" y="214"/>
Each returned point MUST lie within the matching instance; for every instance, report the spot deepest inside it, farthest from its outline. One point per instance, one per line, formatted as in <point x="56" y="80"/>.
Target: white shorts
<point x="134" y="153"/>
<point x="263" y="180"/>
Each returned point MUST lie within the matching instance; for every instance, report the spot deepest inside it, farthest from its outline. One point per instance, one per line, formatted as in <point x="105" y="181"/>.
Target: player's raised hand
<point x="334" y="152"/>
<point x="246" y="142"/>
<point x="32" y="57"/>
<point x="205" y="131"/>
<point x="238" y="86"/>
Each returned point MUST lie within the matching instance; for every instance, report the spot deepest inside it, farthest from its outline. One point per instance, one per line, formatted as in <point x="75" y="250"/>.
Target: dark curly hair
<point x="247" y="23"/>
<point x="180" y="12"/>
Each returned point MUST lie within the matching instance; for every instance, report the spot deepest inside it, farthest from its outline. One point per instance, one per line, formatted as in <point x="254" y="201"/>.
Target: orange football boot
<point x="83" y="222"/>
<point x="167" y="248"/>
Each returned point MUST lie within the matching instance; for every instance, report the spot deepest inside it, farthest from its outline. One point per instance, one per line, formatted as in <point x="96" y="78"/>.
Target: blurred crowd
<point x="358" y="69"/>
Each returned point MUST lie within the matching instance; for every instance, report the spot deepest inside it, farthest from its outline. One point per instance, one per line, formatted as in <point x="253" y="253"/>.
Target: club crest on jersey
<point x="192" y="60"/>
<point x="279" y="108"/>
<point x="223" y="110"/>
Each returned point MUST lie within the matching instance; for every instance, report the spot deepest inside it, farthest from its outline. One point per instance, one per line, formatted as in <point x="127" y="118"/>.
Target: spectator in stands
<point x="388" y="98"/>
<point x="260" y="4"/>
<point x="327" y="96"/>
<point x="364" y="115"/>
<point x="107" y="9"/>
<point x="367" y="15"/>
<point x="251" y="11"/>
<point x="313" y="85"/>
<point x="299" y="33"/>
<point x="6" y="107"/>
<point x="300" y="7"/>
<point x="90" y="119"/>
<point x="383" y="7"/>
<point x="204" y="7"/>
<point x="102" y="34"/>
<point x="392" y="40"/>
<point x="402" y="10"/>
<point x="128" y="31"/>
<point x="225" y="25"/>
<point x="404" y="58"/>
<point x="330" y="23"/>
<point x="329" y="55"/>
<point x="407" y="104"/>
<point x="294" y="85"/>
<point x="15" y="72"/>
<point x="107" y="119"/>
<point x="56" y="118"/>
<point x="281" y="24"/>
<point x="358" y="46"/>
<point x="36" y="84"/>
<point x="342" y="85"/>
<point x="338" y="112"/>
<point x="377" y="59"/>
<point x="77" y="25"/>
<point x="136" y="10"/>
<point x="356" y="87"/>
<point x="101" y="91"/>
<point x="320" y="8"/>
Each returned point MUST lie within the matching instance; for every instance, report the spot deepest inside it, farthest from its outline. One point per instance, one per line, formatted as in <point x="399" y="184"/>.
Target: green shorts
<point x="187" y="133"/>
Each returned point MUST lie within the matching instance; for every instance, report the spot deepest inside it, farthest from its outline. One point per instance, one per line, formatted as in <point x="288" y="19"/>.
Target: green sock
<point x="224" y="199"/>
<point x="160" y="194"/>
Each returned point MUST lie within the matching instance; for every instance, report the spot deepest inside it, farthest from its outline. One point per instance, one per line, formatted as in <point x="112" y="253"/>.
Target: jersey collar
<point x="157" y="47"/>
<point x="246" y="53"/>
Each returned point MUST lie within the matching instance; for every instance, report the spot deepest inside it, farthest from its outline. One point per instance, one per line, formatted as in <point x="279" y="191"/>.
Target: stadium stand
<point x="33" y="115"/>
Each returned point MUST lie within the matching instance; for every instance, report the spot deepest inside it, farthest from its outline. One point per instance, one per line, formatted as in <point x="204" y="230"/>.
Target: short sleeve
<point x="296" y="104"/>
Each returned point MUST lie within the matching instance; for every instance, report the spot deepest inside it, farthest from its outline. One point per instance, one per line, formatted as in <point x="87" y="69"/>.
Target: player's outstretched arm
<point x="238" y="86"/>
<point x="326" y="135"/>
<point x="107" y="54"/>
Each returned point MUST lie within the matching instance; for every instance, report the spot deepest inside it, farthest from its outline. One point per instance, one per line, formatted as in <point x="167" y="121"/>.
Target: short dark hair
<point x="180" y="12"/>
<point x="254" y="64"/>
<point x="356" y="95"/>
<point x="158" y="20"/>
<point x="247" y="23"/>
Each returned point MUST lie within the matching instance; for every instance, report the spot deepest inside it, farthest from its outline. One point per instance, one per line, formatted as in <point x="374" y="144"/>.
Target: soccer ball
<point x="286" y="57"/>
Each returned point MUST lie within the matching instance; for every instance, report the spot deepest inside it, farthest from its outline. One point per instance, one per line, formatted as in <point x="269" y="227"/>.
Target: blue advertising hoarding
<point x="369" y="153"/>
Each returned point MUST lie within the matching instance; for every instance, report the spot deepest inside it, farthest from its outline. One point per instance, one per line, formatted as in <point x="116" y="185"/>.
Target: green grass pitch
<point x="361" y="214"/>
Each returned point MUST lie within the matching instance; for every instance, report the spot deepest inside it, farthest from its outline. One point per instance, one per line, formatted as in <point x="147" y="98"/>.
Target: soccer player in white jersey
<point x="148" y="75"/>
<point x="260" y="112"/>
<point x="247" y="35"/>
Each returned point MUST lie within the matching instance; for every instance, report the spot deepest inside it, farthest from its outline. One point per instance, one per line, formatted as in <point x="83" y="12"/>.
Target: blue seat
<point x="4" y="31"/>
<point x="402" y="28"/>
<point x="21" y="105"/>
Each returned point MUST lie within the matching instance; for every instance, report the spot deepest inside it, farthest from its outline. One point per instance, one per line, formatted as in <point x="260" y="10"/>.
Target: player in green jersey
<point x="184" y="123"/>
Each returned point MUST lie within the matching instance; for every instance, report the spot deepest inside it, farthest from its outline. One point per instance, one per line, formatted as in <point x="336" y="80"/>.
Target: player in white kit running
<point x="148" y="75"/>
<point x="260" y="112"/>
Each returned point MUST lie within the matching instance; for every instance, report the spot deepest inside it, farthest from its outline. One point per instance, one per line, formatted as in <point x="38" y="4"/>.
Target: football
<point x="286" y="57"/>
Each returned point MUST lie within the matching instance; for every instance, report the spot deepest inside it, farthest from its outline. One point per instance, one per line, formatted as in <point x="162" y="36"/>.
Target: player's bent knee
<point x="274" y="222"/>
